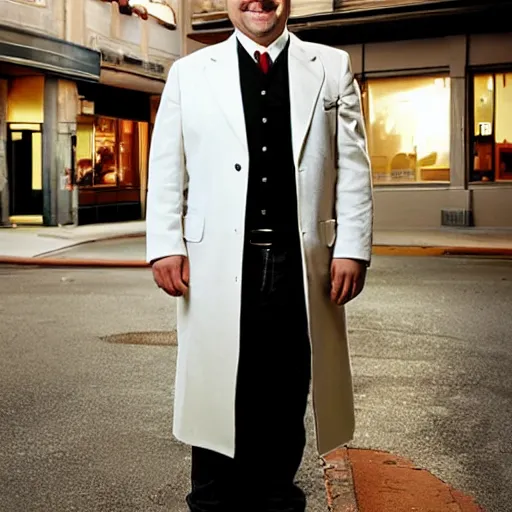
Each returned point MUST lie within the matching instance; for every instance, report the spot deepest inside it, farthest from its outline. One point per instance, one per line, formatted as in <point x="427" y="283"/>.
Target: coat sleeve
<point x="354" y="194"/>
<point x="166" y="177"/>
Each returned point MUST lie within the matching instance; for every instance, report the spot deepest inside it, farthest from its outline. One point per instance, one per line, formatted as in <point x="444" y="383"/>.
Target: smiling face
<point x="261" y="20"/>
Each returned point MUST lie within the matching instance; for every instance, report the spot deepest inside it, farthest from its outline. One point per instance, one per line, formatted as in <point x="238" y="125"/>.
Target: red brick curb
<point x="383" y="482"/>
<point x="71" y="262"/>
<point x="416" y="250"/>
<point x="381" y="250"/>
<point x="339" y="482"/>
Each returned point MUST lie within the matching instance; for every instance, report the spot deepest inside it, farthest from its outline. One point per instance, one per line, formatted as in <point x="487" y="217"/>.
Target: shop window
<point x="492" y="128"/>
<point x="108" y="152"/>
<point x="409" y="129"/>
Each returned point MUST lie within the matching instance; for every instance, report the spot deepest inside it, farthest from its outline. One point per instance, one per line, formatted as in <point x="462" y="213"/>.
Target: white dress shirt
<point x="274" y="49"/>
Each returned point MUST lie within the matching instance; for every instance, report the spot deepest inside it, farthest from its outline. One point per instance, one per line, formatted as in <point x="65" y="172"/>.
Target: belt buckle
<point x="261" y="244"/>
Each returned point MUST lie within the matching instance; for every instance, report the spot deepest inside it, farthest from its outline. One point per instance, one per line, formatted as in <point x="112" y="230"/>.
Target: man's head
<point x="261" y="20"/>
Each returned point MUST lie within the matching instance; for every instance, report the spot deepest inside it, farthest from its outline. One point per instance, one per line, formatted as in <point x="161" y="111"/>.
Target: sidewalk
<point x="31" y="242"/>
<point x="374" y="481"/>
<point x="107" y="244"/>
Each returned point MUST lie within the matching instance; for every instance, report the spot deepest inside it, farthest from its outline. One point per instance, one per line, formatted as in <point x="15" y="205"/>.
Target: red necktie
<point x="263" y="61"/>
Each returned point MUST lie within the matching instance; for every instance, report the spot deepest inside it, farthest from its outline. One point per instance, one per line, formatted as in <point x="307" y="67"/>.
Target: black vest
<point x="271" y="194"/>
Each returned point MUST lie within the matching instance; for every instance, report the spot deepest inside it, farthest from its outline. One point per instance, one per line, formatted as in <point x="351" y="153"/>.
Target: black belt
<point x="269" y="237"/>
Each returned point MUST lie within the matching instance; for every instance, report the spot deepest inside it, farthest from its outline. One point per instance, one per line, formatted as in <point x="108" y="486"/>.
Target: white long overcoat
<point x="198" y="177"/>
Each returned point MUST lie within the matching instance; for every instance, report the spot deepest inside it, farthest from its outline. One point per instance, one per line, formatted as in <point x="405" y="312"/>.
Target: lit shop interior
<point x="408" y="129"/>
<point x="492" y="127"/>
<point x="112" y="147"/>
<point x="408" y="124"/>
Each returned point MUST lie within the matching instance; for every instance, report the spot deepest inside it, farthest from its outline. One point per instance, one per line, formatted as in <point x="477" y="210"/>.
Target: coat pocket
<point x="193" y="227"/>
<point x="328" y="231"/>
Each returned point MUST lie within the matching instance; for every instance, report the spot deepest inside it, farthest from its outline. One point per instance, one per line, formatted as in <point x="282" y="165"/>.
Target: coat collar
<point x="306" y="79"/>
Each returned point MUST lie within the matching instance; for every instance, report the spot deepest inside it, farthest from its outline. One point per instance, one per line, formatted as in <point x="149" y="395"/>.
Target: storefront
<point x="437" y="97"/>
<point x="436" y="82"/>
<point x="112" y="146"/>
<point x="37" y="121"/>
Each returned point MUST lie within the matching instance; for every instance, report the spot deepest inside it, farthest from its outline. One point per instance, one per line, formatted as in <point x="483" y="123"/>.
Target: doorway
<point x="25" y="168"/>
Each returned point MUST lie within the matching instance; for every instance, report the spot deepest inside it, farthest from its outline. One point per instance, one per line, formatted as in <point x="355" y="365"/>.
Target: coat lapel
<point x="306" y="79"/>
<point x="223" y="79"/>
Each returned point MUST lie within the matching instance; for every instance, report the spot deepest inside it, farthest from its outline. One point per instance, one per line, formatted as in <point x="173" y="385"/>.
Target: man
<point x="260" y="220"/>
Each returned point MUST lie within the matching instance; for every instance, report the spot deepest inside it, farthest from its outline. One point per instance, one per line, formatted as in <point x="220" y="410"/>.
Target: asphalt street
<point x="85" y="423"/>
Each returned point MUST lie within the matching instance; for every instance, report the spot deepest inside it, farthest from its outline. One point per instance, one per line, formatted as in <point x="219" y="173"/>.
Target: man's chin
<point x="261" y="29"/>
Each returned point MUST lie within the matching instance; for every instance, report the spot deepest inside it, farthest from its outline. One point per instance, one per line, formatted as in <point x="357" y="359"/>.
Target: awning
<point x="50" y="54"/>
<point x="131" y="81"/>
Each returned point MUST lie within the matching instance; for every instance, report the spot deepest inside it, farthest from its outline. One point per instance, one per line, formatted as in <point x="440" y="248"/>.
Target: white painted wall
<point x="106" y="28"/>
<point x="306" y="7"/>
<point x="46" y="17"/>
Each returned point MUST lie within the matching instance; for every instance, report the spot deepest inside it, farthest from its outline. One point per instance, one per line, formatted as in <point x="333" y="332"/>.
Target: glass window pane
<point x="37" y="161"/>
<point x="105" y="142"/>
<point x="504" y="108"/>
<point x="484" y="104"/>
<point x="503" y="148"/>
<point x="483" y="129"/>
<point x="84" y="153"/>
<point x="409" y="129"/>
<point x="128" y="152"/>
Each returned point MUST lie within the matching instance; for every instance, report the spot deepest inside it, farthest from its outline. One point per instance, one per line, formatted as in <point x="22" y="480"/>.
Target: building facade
<point x="436" y="81"/>
<point x="80" y="82"/>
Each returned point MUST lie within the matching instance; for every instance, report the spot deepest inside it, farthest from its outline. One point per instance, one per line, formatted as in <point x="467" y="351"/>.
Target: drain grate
<point x="143" y="338"/>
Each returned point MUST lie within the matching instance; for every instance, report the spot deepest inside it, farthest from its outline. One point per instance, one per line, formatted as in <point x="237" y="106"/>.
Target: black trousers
<point x="272" y="390"/>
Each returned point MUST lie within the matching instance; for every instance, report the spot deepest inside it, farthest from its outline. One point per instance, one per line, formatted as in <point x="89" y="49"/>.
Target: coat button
<point x="238" y="167"/>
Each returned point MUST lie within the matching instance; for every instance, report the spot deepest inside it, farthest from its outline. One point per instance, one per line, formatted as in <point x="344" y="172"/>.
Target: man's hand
<point x="171" y="274"/>
<point x="347" y="279"/>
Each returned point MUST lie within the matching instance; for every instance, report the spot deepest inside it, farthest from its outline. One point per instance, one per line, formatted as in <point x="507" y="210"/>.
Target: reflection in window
<point x="409" y="129"/>
<point x="105" y="144"/>
<point x="492" y="135"/>
<point x="107" y="152"/>
<point x="483" y="116"/>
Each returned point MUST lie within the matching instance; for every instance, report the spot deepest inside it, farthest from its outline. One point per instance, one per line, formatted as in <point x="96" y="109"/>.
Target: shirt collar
<point x="274" y="49"/>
